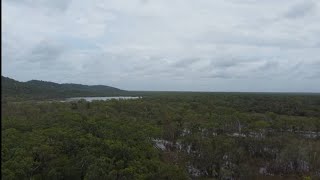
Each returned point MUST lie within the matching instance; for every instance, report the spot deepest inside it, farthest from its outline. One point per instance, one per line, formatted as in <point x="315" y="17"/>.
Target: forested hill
<point x="36" y="89"/>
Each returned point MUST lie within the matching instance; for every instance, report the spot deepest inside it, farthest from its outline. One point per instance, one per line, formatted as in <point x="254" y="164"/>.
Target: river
<point x="89" y="99"/>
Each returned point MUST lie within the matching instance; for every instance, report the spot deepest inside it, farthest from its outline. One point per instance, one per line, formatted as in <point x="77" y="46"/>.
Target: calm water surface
<point x="89" y="99"/>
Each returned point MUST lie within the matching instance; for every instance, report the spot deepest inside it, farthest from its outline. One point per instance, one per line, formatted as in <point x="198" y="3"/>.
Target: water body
<point x="89" y="99"/>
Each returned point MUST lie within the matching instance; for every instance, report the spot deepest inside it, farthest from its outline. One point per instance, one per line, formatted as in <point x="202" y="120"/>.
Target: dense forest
<point x="225" y="136"/>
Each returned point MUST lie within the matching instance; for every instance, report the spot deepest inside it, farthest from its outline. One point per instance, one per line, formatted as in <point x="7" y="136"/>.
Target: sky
<point x="174" y="45"/>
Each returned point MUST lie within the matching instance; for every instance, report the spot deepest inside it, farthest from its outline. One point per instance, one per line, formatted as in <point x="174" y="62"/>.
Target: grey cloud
<point x="316" y="64"/>
<point x="208" y="67"/>
<point x="302" y="70"/>
<point x="144" y="1"/>
<point x="220" y="75"/>
<point x="161" y="67"/>
<point x="46" y="51"/>
<point x="215" y="67"/>
<point x="60" y="5"/>
<point x="143" y="43"/>
<point x="315" y="75"/>
<point x="300" y="10"/>
<point x="47" y="55"/>
<point x="313" y="70"/>
<point x="224" y="63"/>
<point x="231" y="61"/>
<point x="186" y="62"/>
<point x="254" y="40"/>
<point x="269" y="65"/>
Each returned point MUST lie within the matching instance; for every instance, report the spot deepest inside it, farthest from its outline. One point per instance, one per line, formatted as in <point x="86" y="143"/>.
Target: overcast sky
<point x="196" y="45"/>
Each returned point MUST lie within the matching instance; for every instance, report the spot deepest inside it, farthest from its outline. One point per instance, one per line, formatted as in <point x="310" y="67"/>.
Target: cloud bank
<point x="205" y="45"/>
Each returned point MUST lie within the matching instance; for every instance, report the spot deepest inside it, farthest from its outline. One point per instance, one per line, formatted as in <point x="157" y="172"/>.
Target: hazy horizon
<point x="161" y="45"/>
<point x="212" y="91"/>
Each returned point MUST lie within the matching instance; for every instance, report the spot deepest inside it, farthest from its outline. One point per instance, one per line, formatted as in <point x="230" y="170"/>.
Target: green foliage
<point x="219" y="136"/>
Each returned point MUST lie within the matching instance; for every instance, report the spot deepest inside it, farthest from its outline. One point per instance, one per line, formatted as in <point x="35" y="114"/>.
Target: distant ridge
<point x="36" y="89"/>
